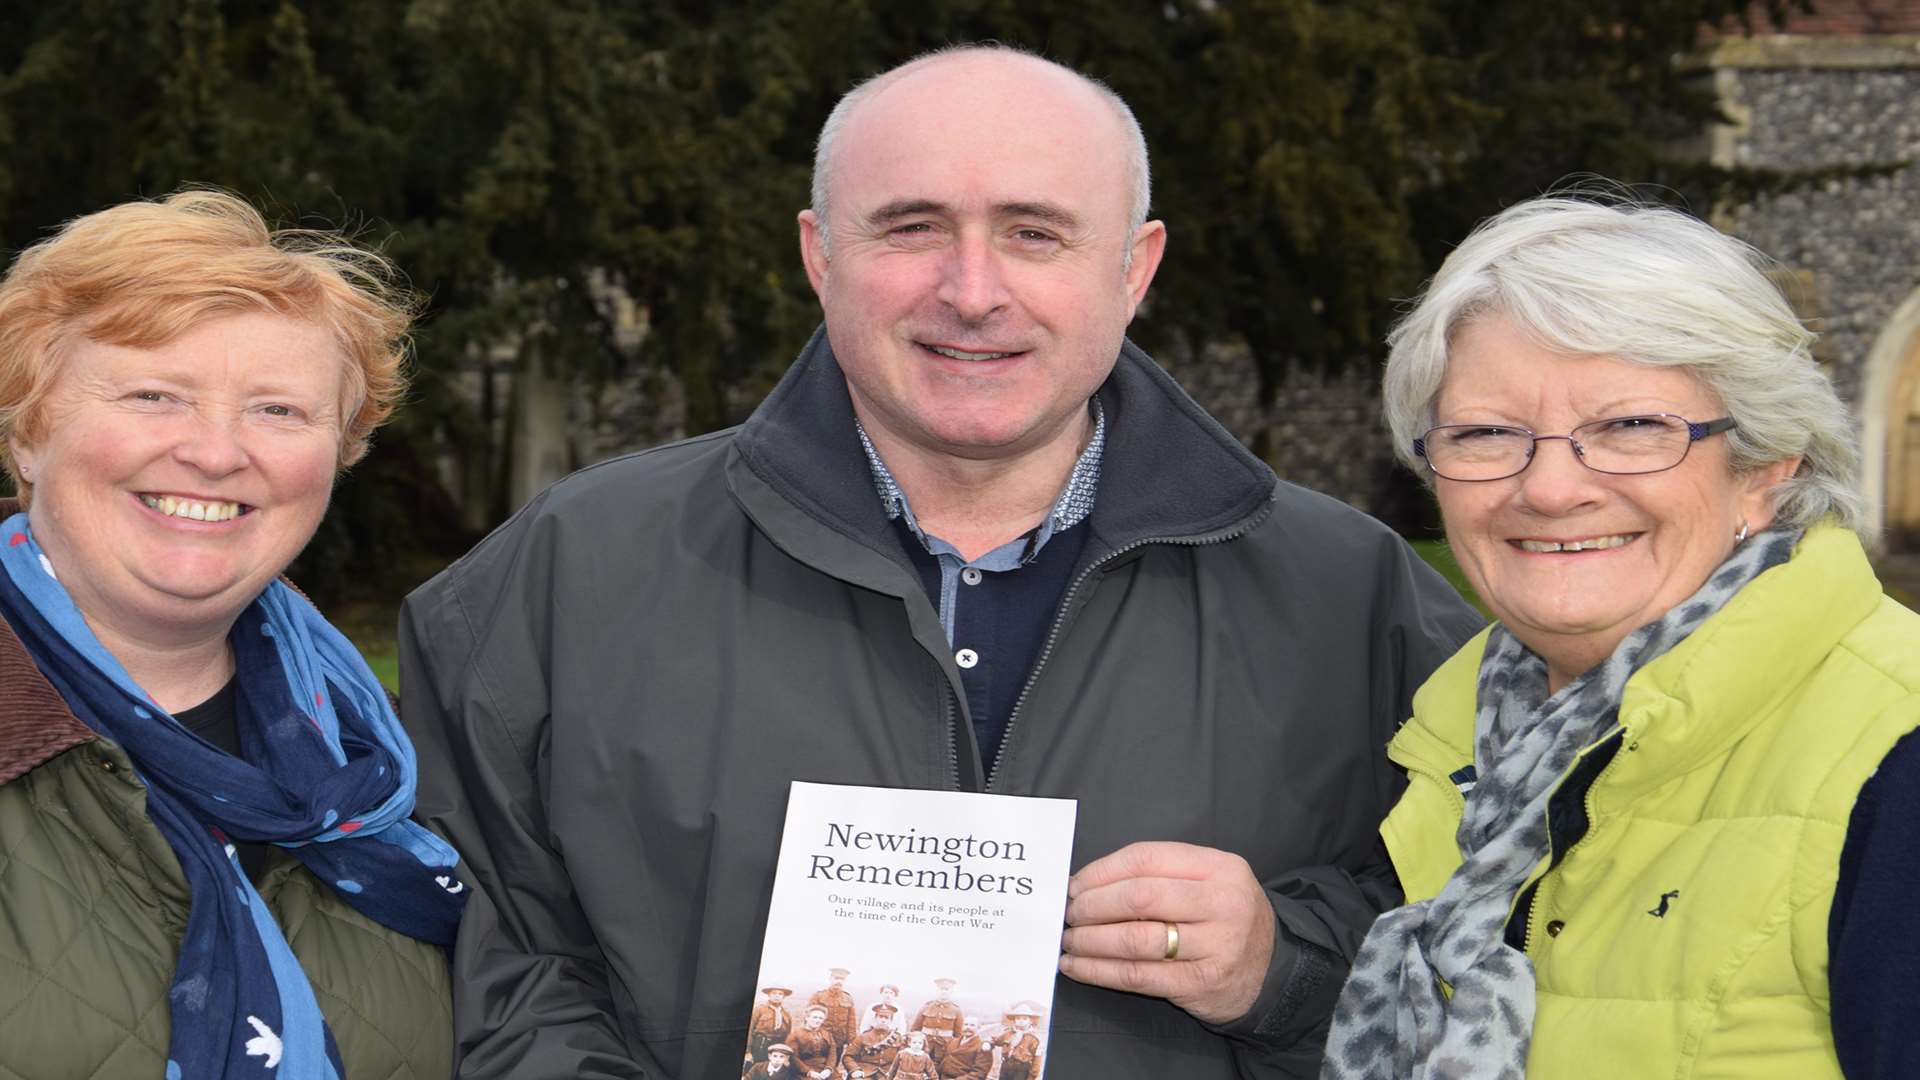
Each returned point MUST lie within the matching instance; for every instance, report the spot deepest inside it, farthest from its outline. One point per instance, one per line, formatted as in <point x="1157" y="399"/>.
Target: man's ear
<point x="813" y="253"/>
<point x="1149" y="244"/>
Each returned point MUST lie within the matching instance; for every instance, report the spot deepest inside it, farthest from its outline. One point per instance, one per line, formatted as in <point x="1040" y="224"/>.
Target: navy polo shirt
<point x="996" y="609"/>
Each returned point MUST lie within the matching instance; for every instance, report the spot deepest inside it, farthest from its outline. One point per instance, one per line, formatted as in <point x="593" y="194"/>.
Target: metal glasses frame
<point x="1696" y="430"/>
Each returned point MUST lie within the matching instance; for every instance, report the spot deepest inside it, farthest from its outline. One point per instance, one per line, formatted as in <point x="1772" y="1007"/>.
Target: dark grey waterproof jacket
<point x="610" y="694"/>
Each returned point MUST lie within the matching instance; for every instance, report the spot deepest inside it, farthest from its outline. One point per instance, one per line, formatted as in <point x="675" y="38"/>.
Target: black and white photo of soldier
<point x="939" y="1018"/>
<point x="871" y="1052"/>
<point x="889" y="995"/>
<point x="839" y="1005"/>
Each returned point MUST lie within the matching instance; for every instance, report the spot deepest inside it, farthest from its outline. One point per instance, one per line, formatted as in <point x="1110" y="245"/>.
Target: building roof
<point x="1839" y="18"/>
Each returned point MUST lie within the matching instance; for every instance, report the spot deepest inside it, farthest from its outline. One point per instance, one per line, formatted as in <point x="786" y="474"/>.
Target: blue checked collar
<point x="1070" y="509"/>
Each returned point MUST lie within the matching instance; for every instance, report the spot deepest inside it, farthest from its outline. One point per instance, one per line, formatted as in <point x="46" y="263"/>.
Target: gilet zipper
<point x="1523" y="904"/>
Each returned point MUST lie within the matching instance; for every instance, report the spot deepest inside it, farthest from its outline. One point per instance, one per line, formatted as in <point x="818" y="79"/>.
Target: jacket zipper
<point x="948" y="710"/>
<point x="1530" y="895"/>
<point x="1066" y="604"/>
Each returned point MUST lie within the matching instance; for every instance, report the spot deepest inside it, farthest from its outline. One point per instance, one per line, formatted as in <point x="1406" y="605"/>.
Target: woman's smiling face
<point x="171" y="484"/>
<point x="1659" y="534"/>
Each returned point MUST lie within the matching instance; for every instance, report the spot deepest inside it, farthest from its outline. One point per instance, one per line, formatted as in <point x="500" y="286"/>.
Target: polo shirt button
<point x="1554" y="927"/>
<point x="971" y="575"/>
<point x="966" y="658"/>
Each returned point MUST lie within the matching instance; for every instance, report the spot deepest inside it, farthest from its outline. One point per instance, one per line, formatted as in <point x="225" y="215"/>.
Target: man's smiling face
<point x="977" y="286"/>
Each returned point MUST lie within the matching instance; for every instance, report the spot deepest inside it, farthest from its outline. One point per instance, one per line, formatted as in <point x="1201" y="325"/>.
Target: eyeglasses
<point x="1619" y="446"/>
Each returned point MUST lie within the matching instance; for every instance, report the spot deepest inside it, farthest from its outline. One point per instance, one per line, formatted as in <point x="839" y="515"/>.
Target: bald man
<point x="973" y="536"/>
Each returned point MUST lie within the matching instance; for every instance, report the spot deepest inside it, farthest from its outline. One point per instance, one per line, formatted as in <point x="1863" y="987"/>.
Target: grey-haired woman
<point x="1644" y="834"/>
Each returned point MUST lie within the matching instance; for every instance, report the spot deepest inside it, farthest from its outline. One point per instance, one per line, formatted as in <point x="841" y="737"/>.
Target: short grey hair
<point x="1139" y="171"/>
<point x="1595" y="274"/>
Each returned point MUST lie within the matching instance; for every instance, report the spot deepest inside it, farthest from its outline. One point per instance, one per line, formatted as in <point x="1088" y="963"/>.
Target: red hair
<point x="142" y="273"/>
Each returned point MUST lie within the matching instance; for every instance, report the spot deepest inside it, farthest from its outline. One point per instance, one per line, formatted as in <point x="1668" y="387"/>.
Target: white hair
<point x="1139" y="172"/>
<point x="1593" y="274"/>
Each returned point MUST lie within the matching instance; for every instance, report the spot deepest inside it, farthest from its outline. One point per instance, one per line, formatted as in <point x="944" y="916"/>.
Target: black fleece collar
<point x="1170" y="472"/>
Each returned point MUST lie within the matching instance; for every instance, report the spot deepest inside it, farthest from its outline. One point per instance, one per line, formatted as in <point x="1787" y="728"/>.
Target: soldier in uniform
<point x="778" y="1066"/>
<point x="771" y="1023"/>
<point x="969" y="1057"/>
<point x="889" y="995"/>
<point x="814" y="1050"/>
<point x="912" y="1063"/>
<point x="839" y="1005"/>
<point x="873" y="1050"/>
<point x="939" y="1018"/>
<point x="1020" y="1047"/>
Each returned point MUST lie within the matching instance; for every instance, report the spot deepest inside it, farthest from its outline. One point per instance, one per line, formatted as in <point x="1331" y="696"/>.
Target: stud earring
<point x="1741" y="536"/>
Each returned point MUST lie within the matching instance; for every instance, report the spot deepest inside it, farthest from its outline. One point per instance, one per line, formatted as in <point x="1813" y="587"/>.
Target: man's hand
<point x="1118" y="908"/>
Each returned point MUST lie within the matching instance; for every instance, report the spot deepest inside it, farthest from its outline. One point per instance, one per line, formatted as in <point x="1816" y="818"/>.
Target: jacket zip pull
<point x="1454" y="791"/>
<point x="1418" y="765"/>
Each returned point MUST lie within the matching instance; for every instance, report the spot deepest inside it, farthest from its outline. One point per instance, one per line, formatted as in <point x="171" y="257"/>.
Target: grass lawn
<point x="385" y="664"/>
<point x="371" y="629"/>
<point x="371" y="621"/>
<point x="1437" y="555"/>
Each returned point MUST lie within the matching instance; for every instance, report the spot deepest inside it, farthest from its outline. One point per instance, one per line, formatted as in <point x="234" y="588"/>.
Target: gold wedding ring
<point x="1173" y="943"/>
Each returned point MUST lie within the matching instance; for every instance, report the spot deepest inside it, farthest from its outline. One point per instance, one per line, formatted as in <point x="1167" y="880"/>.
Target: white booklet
<point x="908" y="928"/>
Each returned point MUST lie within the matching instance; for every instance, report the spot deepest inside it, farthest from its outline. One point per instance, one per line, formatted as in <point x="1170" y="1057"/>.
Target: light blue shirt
<point x="1071" y="508"/>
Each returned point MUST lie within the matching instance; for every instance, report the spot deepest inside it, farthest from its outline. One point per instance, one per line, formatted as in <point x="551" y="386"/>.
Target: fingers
<point x="1175" y="980"/>
<point x="1117" y="917"/>
<point x="1150" y="899"/>
<point x="1151" y="858"/>
<point x="1129" y="941"/>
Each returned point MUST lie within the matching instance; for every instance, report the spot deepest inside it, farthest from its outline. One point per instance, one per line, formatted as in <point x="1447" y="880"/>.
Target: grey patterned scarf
<point x="1392" y="1021"/>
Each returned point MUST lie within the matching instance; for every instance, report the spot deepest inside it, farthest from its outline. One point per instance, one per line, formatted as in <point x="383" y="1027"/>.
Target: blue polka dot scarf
<point x="328" y="775"/>
<point x="1394" y="1021"/>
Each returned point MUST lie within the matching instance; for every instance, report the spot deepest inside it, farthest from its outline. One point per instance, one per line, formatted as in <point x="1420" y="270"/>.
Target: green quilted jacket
<point x="93" y="903"/>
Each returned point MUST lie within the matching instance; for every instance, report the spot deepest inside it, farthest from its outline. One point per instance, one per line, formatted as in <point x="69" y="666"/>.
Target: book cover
<point x="911" y="935"/>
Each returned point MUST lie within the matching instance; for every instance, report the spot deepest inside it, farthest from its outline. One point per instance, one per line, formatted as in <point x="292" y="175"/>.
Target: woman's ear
<point x="1756" y="502"/>
<point x="23" y="458"/>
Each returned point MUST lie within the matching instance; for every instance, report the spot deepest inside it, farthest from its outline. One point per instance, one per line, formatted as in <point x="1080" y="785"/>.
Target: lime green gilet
<point x="1685" y="933"/>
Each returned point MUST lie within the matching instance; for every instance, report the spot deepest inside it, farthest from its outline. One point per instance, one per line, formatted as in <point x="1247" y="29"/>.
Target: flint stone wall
<point x="1856" y="240"/>
<point x="1325" y="431"/>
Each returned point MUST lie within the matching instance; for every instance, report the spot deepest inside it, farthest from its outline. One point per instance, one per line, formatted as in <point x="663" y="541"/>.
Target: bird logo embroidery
<point x="265" y="1044"/>
<point x="1665" y="897"/>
